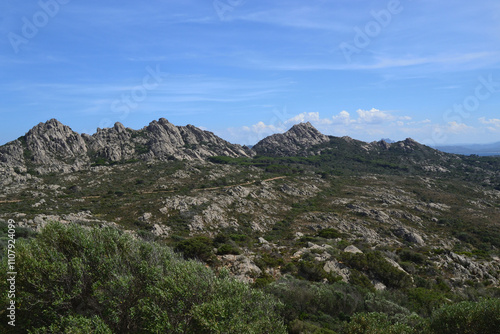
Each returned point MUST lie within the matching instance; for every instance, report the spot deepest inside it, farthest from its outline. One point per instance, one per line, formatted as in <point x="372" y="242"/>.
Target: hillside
<point x="399" y="228"/>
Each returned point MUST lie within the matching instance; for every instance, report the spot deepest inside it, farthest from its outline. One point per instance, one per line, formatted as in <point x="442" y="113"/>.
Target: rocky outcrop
<point x="114" y="144"/>
<point x="54" y="147"/>
<point x="241" y="266"/>
<point x="295" y="141"/>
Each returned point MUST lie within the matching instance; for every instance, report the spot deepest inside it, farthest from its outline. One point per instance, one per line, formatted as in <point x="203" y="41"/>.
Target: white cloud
<point x="373" y="116"/>
<point x="494" y="124"/>
<point x="343" y="118"/>
<point x="373" y="122"/>
<point x="312" y="117"/>
<point x="457" y="128"/>
<point x="369" y="125"/>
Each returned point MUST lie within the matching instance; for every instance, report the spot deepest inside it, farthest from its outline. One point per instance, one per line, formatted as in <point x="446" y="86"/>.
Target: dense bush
<point x="378" y="268"/>
<point x="375" y="323"/>
<point x="76" y="280"/>
<point x="467" y="318"/>
<point x="198" y="248"/>
<point x="318" y="302"/>
<point x="409" y="255"/>
<point x="329" y="233"/>
<point x="424" y="301"/>
<point x="225" y="249"/>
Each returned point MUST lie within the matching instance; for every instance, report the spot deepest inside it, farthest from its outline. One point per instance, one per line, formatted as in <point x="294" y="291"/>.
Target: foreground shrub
<point x="74" y="280"/>
<point x="197" y="248"/>
<point x="376" y="266"/>
<point x="467" y="318"/>
<point x="375" y="323"/>
<point x="75" y="325"/>
<point x="327" y="304"/>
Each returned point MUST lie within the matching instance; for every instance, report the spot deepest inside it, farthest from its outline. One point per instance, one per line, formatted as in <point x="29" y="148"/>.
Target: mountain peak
<point x="410" y="141"/>
<point x="303" y="125"/>
<point x="50" y="124"/>
<point x="55" y="147"/>
<point x="298" y="139"/>
<point x="304" y="129"/>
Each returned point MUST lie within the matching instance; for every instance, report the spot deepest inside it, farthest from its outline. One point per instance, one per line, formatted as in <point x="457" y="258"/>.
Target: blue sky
<point x="244" y="69"/>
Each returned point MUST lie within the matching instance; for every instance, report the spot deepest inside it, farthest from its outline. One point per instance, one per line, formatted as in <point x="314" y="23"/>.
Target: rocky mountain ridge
<point x="295" y="141"/>
<point x="54" y="147"/>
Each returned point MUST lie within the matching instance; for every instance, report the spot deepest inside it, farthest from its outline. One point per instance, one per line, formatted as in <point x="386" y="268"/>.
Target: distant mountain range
<point x="468" y="149"/>
<point x="54" y="147"/>
<point x="491" y="149"/>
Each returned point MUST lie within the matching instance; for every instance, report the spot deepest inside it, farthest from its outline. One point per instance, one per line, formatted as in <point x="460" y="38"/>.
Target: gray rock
<point x="336" y="268"/>
<point x="352" y="249"/>
<point x="293" y="142"/>
<point x="408" y="235"/>
<point x="241" y="266"/>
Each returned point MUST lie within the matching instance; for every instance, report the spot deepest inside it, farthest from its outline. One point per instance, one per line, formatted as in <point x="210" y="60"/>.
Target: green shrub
<point x="304" y="300"/>
<point x="228" y="249"/>
<point x="329" y="233"/>
<point x="77" y="280"/>
<point x="409" y="255"/>
<point x="198" y="248"/>
<point x="375" y="302"/>
<point x="376" y="266"/>
<point x="303" y="327"/>
<point x="375" y="323"/>
<point x="425" y="301"/>
<point x="238" y="237"/>
<point x="75" y="325"/>
<point x="273" y="259"/>
<point x="357" y="278"/>
<point x="313" y="271"/>
<point x="467" y="318"/>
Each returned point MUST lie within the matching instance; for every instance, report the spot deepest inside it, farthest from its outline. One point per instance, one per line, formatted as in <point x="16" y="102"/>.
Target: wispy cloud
<point x="493" y="124"/>
<point x="373" y="122"/>
<point x="434" y="63"/>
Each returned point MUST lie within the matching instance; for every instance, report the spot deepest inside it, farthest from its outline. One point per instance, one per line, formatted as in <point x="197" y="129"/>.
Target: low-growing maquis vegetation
<point x="75" y="279"/>
<point x="99" y="280"/>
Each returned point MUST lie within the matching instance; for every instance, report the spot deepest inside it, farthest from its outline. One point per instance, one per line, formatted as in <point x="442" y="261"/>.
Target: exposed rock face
<point x="12" y="154"/>
<point x="114" y="143"/>
<point x="242" y="267"/>
<point x="334" y="267"/>
<point x="352" y="249"/>
<point x="161" y="140"/>
<point x="54" y="147"/>
<point x="409" y="236"/>
<point x="293" y="142"/>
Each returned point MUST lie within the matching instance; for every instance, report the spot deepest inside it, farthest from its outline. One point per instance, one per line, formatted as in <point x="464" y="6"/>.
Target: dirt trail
<point x="241" y="184"/>
<point x="12" y="201"/>
<point x="171" y="191"/>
